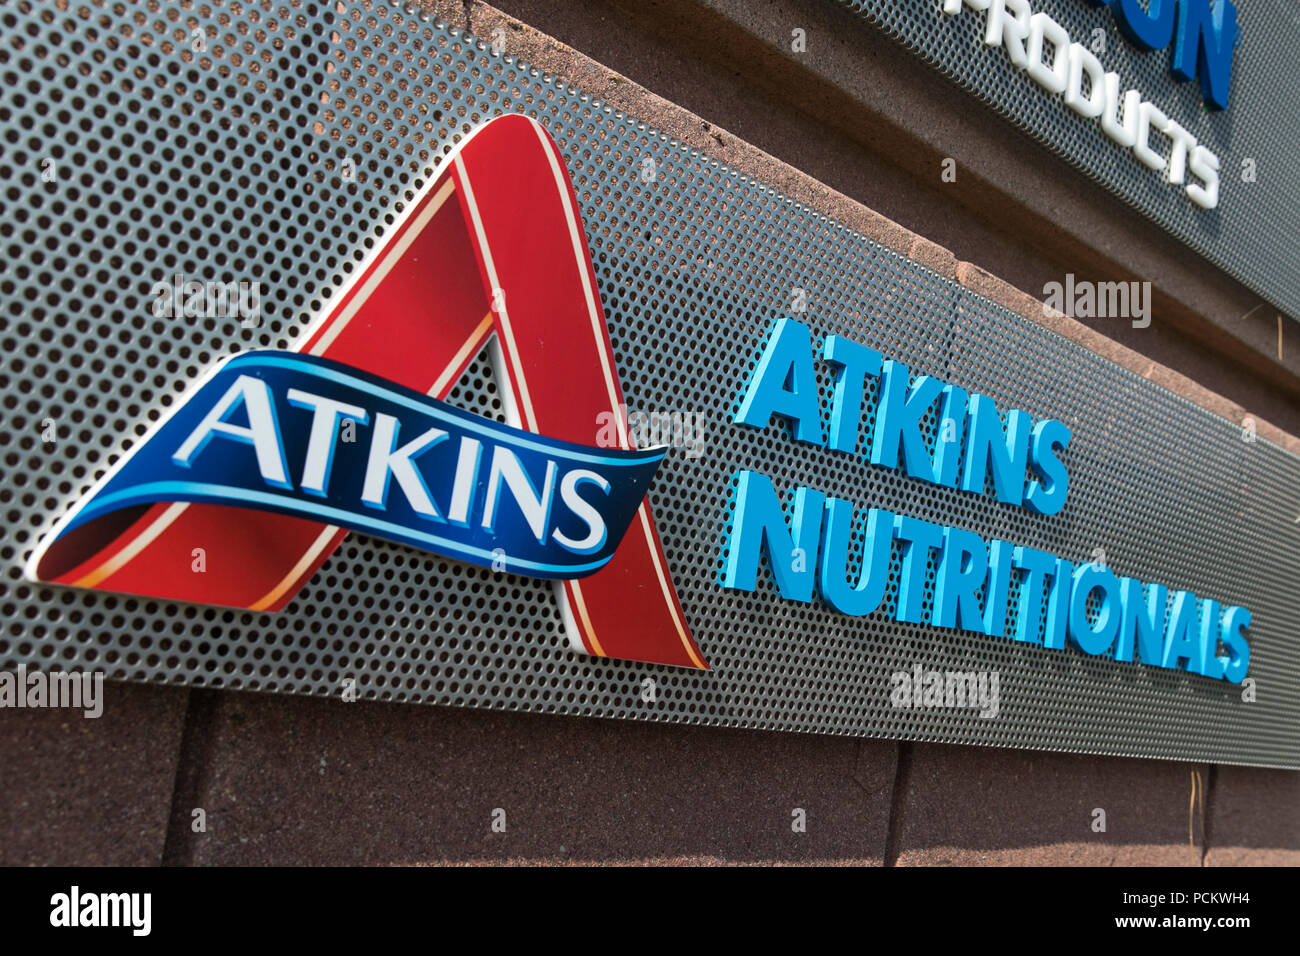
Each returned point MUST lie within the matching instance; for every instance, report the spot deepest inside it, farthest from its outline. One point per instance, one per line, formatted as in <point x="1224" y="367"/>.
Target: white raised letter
<point x="324" y="434"/>
<point x="386" y="462"/>
<point x="261" y="432"/>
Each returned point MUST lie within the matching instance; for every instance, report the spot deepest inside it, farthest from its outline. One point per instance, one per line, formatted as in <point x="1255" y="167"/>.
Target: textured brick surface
<point x="974" y="806"/>
<point x="1254" y="818"/>
<point x="934" y="256"/>
<point x="76" y="791"/>
<point x="303" y="781"/>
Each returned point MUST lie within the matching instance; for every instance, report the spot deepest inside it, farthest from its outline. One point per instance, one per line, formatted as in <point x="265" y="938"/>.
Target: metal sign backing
<point x="230" y="163"/>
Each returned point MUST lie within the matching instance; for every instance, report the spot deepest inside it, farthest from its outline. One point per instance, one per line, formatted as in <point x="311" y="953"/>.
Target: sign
<point x="1040" y="46"/>
<point x="811" y="402"/>
<point x="464" y="487"/>
<point x="253" y="462"/>
<point x="1178" y="107"/>
<point x="814" y="549"/>
<point x="261" y="436"/>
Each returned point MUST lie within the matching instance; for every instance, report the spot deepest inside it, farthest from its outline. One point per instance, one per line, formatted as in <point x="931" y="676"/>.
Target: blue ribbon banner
<point x="305" y="436"/>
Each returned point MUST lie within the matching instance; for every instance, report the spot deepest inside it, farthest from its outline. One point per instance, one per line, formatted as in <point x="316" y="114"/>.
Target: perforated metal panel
<point x="227" y="163"/>
<point x="1251" y="234"/>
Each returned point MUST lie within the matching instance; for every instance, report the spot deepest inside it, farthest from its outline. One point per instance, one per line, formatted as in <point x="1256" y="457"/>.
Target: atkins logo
<point x="489" y="255"/>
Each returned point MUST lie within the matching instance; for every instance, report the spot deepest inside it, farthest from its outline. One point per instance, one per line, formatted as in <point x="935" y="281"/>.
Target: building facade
<point x="748" y="180"/>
